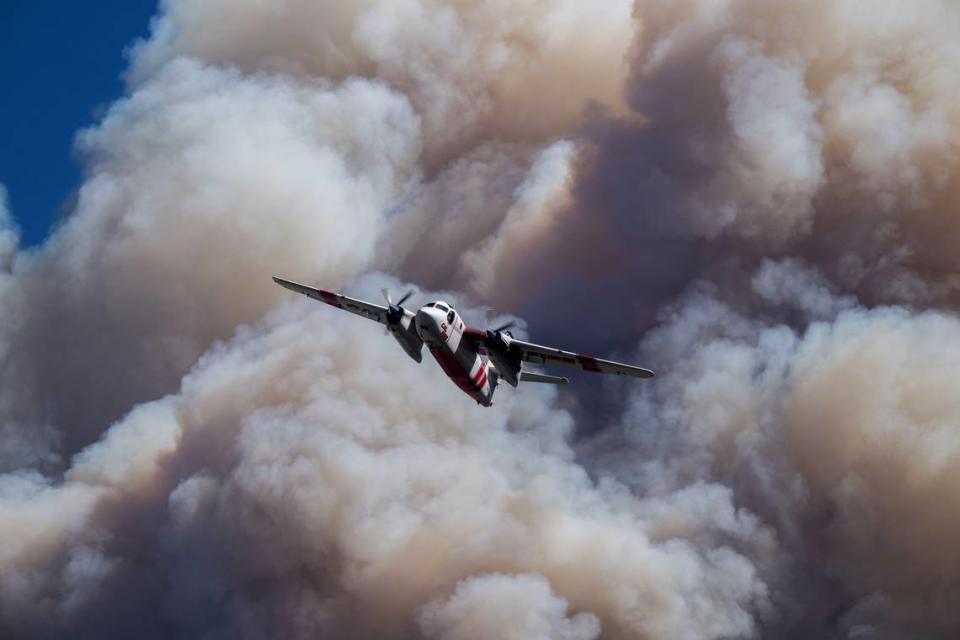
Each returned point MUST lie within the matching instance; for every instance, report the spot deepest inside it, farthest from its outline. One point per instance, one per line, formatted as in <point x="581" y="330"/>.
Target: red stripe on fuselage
<point x="480" y="373"/>
<point x="455" y="371"/>
<point x="448" y="363"/>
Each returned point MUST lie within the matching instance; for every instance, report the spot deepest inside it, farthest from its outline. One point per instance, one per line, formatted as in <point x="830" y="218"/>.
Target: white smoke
<point x="754" y="198"/>
<point x="364" y="479"/>
<point x="473" y="70"/>
<point x="9" y="236"/>
<point x="840" y="435"/>
<point x="532" y="611"/>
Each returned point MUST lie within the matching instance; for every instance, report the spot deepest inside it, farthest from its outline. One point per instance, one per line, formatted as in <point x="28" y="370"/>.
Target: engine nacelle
<point x="405" y="333"/>
<point x="504" y="359"/>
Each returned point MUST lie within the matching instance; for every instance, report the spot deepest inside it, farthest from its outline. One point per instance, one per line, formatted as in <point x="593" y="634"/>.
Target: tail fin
<point x="526" y="376"/>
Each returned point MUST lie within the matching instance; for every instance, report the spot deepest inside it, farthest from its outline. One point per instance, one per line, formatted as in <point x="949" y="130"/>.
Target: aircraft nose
<point x="427" y="323"/>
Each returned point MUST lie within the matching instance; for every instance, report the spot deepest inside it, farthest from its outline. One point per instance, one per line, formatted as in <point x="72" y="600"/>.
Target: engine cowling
<point x="403" y="328"/>
<point x="504" y="359"/>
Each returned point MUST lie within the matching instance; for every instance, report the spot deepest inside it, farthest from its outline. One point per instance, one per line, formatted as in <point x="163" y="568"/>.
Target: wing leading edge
<point x="538" y="354"/>
<point x="366" y="309"/>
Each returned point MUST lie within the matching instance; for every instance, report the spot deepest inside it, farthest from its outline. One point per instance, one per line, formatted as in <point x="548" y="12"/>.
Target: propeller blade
<point x="509" y="325"/>
<point x="386" y="294"/>
<point x="405" y="297"/>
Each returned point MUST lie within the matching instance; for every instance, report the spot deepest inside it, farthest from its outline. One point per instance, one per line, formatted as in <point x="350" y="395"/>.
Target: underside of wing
<point x="366" y="309"/>
<point x="506" y="350"/>
<point x="538" y="354"/>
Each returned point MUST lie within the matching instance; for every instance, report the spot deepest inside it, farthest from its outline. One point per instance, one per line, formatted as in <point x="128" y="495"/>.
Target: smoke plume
<point x="756" y="199"/>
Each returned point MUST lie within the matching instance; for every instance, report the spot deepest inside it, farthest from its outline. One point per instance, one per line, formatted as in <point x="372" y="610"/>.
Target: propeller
<point x="509" y="325"/>
<point x="406" y="296"/>
<point x="395" y="310"/>
<point x="490" y="312"/>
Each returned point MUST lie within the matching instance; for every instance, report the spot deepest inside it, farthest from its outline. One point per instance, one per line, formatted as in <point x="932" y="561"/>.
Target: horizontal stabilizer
<point x="526" y="376"/>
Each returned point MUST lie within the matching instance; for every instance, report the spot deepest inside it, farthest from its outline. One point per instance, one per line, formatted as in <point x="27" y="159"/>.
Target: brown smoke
<point x="754" y="198"/>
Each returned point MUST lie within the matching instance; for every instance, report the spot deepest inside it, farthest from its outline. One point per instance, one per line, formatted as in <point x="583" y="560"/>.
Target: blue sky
<point x="60" y="64"/>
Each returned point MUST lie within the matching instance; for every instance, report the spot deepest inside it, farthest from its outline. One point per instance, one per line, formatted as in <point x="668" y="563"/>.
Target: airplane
<point x="474" y="359"/>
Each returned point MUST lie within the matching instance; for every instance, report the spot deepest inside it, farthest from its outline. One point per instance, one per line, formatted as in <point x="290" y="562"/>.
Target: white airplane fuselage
<point x="441" y="328"/>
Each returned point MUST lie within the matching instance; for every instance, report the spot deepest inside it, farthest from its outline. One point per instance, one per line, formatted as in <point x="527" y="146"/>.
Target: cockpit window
<point x="442" y="307"/>
<point x="450" y="316"/>
<point x="430" y="304"/>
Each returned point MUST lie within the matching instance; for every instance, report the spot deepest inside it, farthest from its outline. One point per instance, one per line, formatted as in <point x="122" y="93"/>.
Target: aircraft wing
<point x="538" y="354"/>
<point x="359" y="307"/>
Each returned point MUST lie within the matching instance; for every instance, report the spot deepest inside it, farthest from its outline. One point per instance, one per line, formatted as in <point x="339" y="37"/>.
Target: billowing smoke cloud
<point x="474" y="71"/>
<point x="754" y="198"/>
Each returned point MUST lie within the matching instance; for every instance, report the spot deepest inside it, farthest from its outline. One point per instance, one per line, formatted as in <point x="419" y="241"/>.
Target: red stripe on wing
<point x="589" y="363"/>
<point x="329" y="298"/>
